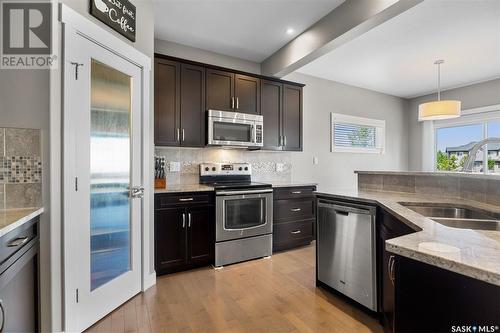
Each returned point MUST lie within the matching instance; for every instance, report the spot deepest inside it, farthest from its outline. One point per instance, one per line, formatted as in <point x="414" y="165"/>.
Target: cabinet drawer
<point x="166" y="200"/>
<point x="293" y="209"/>
<point x="289" y="232"/>
<point x="16" y="239"/>
<point x="294" y="192"/>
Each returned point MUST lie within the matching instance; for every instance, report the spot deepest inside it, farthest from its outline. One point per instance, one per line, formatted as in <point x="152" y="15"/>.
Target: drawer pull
<point x="18" y="242"/>
<point x="296" y="192"/>
<point x="295" y="210"/>
<point x="295" y="232"/>
<point x="186" y="199"/>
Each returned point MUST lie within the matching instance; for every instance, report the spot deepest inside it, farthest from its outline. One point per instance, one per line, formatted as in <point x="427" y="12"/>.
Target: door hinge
<point x="76" y="68"/>
<point x="77" y="298"/>
<point x="76" y="183"/>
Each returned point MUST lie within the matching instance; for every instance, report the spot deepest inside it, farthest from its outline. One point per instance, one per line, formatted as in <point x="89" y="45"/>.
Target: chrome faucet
<point x="471" y="157"/>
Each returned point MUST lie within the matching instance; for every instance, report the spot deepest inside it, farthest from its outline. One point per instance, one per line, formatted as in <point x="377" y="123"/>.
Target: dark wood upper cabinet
<point x="201" y="248"/>
<point x="292" y="117"/>
<point x="271" y="108"/>
<point x="247" y="94"/>
<point x="220" y="90"/>
<point x="192" y="106"/>
<point x="167" y="102"/>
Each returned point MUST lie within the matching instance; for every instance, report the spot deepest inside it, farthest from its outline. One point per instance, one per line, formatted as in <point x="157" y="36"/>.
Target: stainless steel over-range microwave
<point x="234" y="129"/>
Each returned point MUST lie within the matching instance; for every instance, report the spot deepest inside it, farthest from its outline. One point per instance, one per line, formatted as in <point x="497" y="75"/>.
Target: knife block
<point x="160" y="183"/>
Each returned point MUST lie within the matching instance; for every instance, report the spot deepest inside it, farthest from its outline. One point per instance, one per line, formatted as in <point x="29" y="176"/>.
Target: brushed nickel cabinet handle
<point x="390" y="267"/>
<point x="295" y="232"/>
<point x="183" y="136"/>
<point x="186" y="199"/>
<point x="183" y="220"/>
<point x="17" y="242"/>
<point x="295" y="209"/>
<point x="237" y="103"/>
<point x="189" y="220"/>
<point x="284" y="138"/>
<point x="232" y="102"/>
<point x="296" y="192"/>
<point x="178" y="134"/>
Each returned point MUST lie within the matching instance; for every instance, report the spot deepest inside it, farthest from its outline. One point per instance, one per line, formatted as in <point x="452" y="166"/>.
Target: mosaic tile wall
<point x="20" y="168"/>
<point x="264" y="164"/>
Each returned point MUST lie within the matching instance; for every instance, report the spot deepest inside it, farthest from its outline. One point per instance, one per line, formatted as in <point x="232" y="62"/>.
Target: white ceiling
<point x="397" y="57"/>
<point x="247" y="29"/>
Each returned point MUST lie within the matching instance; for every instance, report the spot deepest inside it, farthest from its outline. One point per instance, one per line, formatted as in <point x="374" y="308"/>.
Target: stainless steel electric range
<point x="244" y="212"/>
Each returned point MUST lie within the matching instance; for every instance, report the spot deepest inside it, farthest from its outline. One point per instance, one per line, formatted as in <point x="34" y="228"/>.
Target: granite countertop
<point x="11" y="219"/>
<point x="474" y="253"/>
<point x="430" y="173"/>
<point x="179" y="188"/>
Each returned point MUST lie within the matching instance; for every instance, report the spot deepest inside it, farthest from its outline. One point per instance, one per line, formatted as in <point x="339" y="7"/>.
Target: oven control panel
<point x="221" y="169"/>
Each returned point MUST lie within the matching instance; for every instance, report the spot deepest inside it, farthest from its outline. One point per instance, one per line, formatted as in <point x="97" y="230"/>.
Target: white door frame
<point x="74" y="22"/>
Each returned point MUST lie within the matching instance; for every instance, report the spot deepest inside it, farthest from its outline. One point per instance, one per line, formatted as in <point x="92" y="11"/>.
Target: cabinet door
<point x="170" y="240"/>
<point x="192" y="106"/>
<point x="247" y="94"/>
<point x="201" y="240"/>
<point x="271" y="107"/>
<point x="386" y="271"/>
<point x="220" y="90"/>
<point x="167" y="102"/>
<point x="292" y="117"/>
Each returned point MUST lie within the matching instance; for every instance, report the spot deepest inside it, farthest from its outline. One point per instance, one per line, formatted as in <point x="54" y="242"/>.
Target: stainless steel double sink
<point x="456" y="216"/>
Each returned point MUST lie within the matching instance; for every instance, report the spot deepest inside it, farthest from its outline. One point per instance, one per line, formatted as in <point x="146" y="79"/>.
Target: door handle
<point x="137" y="192"/>
<point x="295" y="232"/>
<point x="189" y="220"/>
<point x="183" y="220"/>
<point x="17" y="242"/>
<point x="237" y="103"/>
<point x="295" y="209"/>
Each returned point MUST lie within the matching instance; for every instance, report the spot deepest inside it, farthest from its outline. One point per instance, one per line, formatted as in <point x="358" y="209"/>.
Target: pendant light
<point x="439" y="109"/>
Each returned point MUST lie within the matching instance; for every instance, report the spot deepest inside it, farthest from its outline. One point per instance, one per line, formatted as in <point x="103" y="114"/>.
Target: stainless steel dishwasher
<point x="347" y="250"/>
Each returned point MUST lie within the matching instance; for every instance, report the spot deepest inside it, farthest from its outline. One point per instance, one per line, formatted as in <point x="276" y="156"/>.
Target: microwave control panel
<point x="258" y="133"/>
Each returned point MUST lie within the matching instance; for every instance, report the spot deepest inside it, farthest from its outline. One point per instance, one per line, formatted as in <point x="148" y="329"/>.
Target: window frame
<point x="479" y="116"/>
<point x="338" y="118"/>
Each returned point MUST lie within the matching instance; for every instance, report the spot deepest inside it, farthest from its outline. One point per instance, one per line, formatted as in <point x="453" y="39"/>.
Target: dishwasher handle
<point x="346" y="208"/>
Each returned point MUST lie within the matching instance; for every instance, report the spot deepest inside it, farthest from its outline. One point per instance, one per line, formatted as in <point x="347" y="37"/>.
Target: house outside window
<point x="455" y="138"/>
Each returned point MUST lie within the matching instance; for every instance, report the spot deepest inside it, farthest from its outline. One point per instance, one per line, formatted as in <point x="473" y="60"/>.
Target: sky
<point x="461" y="135"/>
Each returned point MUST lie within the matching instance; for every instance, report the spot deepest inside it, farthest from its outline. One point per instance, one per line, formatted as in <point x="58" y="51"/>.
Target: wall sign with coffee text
<point x="117" y="14"/>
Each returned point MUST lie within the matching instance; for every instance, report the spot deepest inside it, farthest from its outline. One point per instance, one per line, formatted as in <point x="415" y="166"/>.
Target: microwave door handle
<point x="254" y="133"/>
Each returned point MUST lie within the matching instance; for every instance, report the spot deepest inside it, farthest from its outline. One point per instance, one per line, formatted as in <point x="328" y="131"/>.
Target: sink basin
<point x="462" y="217"/>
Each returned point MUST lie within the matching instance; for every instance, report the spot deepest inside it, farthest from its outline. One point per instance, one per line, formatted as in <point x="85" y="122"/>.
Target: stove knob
<point x="246" y="168"/>
<point x="207" y="168"/>
<point x="213" y="168"/>
<point x="240" y="168"/>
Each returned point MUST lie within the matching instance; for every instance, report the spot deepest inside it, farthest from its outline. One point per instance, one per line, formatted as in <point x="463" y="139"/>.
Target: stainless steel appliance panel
<point x="234" y="129"/>
<point x="241" y="214"/>
<point x="346" y="250"/>
<point x="243" y="249"/>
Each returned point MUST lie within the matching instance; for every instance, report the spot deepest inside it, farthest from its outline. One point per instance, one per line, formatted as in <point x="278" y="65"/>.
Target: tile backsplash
<point x="20" y="168"/>
<point x="264" y="164"/>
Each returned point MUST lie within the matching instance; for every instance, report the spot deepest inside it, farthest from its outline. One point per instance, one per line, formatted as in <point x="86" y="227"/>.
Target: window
<point x="357" y="134"/>
<point x="454" y="138"/>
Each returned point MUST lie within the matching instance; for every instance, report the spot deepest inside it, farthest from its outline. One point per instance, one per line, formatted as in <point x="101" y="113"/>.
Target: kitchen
<point x="234" y="176"/>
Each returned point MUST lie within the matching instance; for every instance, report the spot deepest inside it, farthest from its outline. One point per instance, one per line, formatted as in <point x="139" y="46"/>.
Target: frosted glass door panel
<point x="110" y="212"/>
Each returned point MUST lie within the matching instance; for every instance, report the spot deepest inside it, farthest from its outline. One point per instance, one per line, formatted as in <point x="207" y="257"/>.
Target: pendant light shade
<point x="439" y="109"/>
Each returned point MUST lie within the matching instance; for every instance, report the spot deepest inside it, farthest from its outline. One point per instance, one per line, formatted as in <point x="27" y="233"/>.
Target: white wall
<point x="199" y="55"/>
<point x="336" y="170"/>
<point x="421" y="134"/>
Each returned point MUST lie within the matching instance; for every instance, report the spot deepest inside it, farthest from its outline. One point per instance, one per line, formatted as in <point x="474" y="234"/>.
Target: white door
<point x="103" y="159"/>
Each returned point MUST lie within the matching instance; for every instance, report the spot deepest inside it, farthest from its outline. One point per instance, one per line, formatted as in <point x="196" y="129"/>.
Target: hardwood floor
<point x="266" y="295"/>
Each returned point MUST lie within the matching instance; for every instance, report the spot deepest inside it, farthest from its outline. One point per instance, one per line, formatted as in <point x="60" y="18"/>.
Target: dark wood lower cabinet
<point x="294" y="217"/>
<point x="184" y="232"/>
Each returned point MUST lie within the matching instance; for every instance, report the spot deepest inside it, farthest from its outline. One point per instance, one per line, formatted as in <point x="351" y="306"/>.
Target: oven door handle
<point x="244" y="192"/>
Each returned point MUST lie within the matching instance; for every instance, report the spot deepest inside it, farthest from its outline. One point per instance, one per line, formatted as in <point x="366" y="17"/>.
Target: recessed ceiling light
<point x="290" y="31"/>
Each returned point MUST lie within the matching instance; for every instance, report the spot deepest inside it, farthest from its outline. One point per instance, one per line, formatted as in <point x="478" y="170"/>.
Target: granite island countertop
<point x="474" y="253"/>
<point x="11" y="219"/>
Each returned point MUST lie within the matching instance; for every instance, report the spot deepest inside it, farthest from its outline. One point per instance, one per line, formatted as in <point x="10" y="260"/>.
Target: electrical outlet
<point x="175" y="167"/>
<point x="280" y="167"/>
